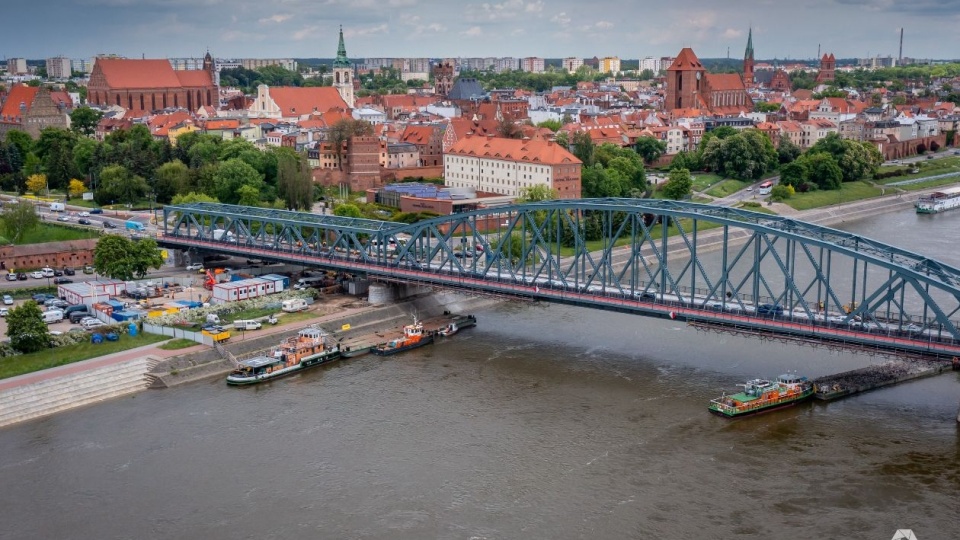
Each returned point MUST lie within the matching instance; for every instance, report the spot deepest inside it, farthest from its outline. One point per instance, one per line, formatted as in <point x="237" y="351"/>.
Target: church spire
<point x="342" y="60"/>
<point x="748" y="54"/>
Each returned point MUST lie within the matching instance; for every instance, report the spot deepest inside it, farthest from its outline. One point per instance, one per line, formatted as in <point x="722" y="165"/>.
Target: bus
<point x="766" y="187"/>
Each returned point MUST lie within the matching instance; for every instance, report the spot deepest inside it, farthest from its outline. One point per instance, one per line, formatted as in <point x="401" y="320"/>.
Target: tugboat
<point x="459" y="323"/>
<point x="310" y="347"/>
<point x="760" y="395"/>
<point x="413" y="337"/>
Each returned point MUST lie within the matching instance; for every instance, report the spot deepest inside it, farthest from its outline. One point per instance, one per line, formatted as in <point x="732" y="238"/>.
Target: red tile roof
<point x="529" y="151"/>
<point x="128" y="73"/>
<point x="685" y="60"/>
<point x="298" y="101"/>
<point x="725" y="81"/>
<point x="230" y="123"/>
<point x="22" y="93"/>
<point x="417" y="134"/>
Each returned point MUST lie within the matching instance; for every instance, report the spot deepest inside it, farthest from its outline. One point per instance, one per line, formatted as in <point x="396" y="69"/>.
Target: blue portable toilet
<point x="132" y="329"/>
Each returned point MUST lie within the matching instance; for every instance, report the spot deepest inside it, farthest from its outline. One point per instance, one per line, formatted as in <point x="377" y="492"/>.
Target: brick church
<point x="145" y="86"/>
<point x="690" y="87"/>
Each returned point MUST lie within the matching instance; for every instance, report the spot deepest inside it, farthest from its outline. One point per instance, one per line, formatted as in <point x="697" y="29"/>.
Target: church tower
<point x="748" y="60"/>
<point x="211" y="67"/>
<point x="343" y="73"/>
<point x="828" y="66"/>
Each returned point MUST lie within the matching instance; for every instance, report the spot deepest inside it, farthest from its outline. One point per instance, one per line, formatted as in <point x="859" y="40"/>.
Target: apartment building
<point x="651" y="63"/>
<point x="532" y="64"/>
<point x="17" y="66"/>
<point x="571" y="65"/>
<point x="58" y="67"/>
<point x="610" y="64"/>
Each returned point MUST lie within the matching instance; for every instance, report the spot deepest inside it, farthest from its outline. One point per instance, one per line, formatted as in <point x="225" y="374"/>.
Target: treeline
<point x="248" y="79"/>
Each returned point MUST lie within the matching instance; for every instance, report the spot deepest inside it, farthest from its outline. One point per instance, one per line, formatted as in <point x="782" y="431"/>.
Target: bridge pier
<point x="380" y="293"/>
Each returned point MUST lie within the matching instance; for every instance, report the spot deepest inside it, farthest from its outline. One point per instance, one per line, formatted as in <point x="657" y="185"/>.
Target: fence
<point x="177" y="333"/>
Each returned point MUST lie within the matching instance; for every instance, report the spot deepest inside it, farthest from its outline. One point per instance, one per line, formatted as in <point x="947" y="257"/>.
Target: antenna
<point x="901" y="46"/>
<point x="818" y="50"/>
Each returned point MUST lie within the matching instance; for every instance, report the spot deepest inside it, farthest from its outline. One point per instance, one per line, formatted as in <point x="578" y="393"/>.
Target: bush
<point x="781" y="193"/>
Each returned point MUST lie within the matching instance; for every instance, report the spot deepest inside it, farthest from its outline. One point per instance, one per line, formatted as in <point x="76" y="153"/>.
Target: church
<point x="689" y="86"/>
<point x="145" y="86"/>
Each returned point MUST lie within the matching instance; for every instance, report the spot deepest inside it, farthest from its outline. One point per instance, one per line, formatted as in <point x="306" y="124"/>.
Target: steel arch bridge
<point x="652" y="257"/>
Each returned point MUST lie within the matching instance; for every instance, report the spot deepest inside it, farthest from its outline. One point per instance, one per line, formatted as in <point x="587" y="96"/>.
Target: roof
<point x="465" y="89"/>
<point x="530" y="151"/>
<point x="132" y="73"/>
<point x="298" y="101"/>
<point x="685" y="60"/>
<point x="417" y="134"/>
<point x="725" y="81"/>
<point x="22" y="93"/>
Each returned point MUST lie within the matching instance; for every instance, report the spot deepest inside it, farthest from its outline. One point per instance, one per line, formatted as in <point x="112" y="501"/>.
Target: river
<point x="544" y="421"/>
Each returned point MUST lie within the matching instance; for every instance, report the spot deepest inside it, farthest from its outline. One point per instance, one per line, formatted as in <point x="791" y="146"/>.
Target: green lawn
<point x="932" y="167"/>
<point x="83" y="203"/>
<point x="849" y="192"/>
<point x="929" y="184"/>
<point x="28" y="363"/>
<point x="702" y="180"/>
<point x="727" y="187"/>
<point x="252" y="313"/>
<point x="179" y="343"/>
<point x="756" y="208"/>
<point x="49" y="232"/>
<point x="288" y="318"/>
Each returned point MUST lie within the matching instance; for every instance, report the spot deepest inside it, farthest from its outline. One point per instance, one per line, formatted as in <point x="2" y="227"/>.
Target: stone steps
<point x="72" y="390"/>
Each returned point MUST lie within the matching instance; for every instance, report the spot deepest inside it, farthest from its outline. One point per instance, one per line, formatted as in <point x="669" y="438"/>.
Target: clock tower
<point x="685" y="82"/>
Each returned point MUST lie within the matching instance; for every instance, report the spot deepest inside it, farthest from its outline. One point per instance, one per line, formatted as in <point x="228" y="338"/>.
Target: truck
<point x="293" y="305"/>
<point x="248" y="324"/>
<point x="57" y="207"/>
<point x="135" y="225"/>
<point x="217" y="333"/>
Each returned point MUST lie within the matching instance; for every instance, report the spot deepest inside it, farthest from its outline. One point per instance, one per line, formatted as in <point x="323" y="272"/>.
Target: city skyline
<point x="518" y="28"/>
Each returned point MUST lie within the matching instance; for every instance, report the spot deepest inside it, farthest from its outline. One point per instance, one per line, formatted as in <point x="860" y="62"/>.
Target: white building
<point x="532" y="64"/>
<point x="17" y="66"/>
<point x="571" y="65"/>
<point x="370" y="114"/>
<point x="651" y="63"/>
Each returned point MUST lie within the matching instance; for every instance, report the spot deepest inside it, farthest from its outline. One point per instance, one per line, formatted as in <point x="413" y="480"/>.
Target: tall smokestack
<point x="900" y="60"/>
<point x="818" y="51"/>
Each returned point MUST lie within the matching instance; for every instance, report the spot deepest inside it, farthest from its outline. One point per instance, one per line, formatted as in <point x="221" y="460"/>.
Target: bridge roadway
<point x="615" y="301"/>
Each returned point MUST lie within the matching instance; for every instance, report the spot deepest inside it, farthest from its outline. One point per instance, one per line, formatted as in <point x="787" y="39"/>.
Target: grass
<point x="288" y="318"/>
<point x="251" y="313"/>
<point x="28" y="363"/>
<point x="727" y="187"/>
<point x="759" y="209"/>
<point x="179" y="343"/>
<point x="702" y="180"/>
<point x="27" y="292"/>
<point x="930" y="184"/>
<point x="848" y="192"/>
<point x="932" y="167"/>
<point x="48" y="232"/>
<point x="83" y="203"/>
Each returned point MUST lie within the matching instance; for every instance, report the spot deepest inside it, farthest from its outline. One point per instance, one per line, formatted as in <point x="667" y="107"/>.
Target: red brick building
<point x="31" y="109"/>
<point x="73" y="254"/>
<point x="828" y="69"/>
<point x="689" y="86"/>
<point x="429" y="142"/>
<point x="152" y="85"/>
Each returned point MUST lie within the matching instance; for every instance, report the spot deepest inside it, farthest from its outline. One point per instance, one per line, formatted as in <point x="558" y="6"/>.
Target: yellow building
<point x="610" y="64"/>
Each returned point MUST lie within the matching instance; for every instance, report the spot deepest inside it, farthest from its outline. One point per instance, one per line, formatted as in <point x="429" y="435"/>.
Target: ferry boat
<point x="457" y="324"/>
<point x="413" y="337"/>
<point x="310" y="347"/>
<point x="939" y="201"/>
<point x="760" y="395"/>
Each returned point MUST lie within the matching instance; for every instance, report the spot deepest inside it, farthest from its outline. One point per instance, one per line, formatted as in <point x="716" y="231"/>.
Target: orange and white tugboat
<point x="761" y="395"/>
<point x="310" y="347"/>
<point x="413" y="337"/>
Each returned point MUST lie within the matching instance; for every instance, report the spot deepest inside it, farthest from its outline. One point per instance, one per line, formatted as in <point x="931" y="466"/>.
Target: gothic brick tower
<point x="748" y="60"/>
<point x="443" y="77"/>
<point x="828" y="67"/>
<point x="685" y="81"/>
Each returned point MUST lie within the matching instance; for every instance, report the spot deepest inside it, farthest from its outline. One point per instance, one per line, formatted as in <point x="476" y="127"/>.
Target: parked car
<point x="88" y="269"/>
<point x="108" y="225"/>
<point x="62" y="280"/>
<point x="47" y="272"/>
<point x="36" y="275"/>
<point x="96" y="211"/>
<point x="57" y="273"/>
<point x="4" y="312"/>
<point x="7" y="300"/>
<point x="91" y="323"/>
<point x="40" y="298"/>
<point x="69" y="271"/>
<point x="195" y="266"/>
<point x="22" y="276"/>
<point x="12" y="276"/>
<point x="83" y="221"/>
<point x="84" y="214"/>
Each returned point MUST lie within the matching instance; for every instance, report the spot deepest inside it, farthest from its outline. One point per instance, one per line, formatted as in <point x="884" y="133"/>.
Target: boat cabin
<point x="258" y="365"/>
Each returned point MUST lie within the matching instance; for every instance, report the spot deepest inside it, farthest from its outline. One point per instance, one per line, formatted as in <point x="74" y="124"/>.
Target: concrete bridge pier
<point x="387" y="293"/>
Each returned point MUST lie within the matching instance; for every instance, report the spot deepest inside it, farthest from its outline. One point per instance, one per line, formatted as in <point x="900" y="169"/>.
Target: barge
<point x="939" y="201"/>
<point x="310" y="347"/>
<point x="413" y="337"/>
<point x="760" y="395"/>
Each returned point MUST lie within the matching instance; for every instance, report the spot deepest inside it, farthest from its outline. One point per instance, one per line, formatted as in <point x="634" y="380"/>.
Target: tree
<point x="26" y="329"/>
<point x="583" y="147"/>
<point x="118" y="185"/>
<point x="231" y="176"/>
<point x="795" y="173"/>
<point x="855" y="159"/>
<point x="76" y="188"/>
<point x="347" y="210"/>
<point x="294" y="181"/>
<point x="508" y="129"/>
<point x="552" y="125"/>
<point x="342" y="131"/>
<point x="170" y="179"/>
<point x="37" y="183"/>
<point x="824" y="171"/>
<point x="18" y="219"/>
<point x="678" y="184"/>
<point x="120" y="258"/>
<point x="787" y="151"/>
<point x="248" y="195"/>
<point x="781" y="192"/>
<point x="193" y="197"/>
<point x="650" y="148"/>
<point x="83" y="120"/>
<point x="539" y="192"/>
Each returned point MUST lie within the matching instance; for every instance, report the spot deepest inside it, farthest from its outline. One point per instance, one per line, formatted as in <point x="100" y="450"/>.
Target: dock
<point x="831" y="387"/>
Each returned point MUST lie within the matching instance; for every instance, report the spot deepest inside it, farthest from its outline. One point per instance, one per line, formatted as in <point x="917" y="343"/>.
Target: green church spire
<point x="748" y="54"/>
<point x="342" y="60"/>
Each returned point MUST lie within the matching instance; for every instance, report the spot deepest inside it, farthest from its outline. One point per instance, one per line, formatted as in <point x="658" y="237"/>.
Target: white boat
<point x="939" y="201"/>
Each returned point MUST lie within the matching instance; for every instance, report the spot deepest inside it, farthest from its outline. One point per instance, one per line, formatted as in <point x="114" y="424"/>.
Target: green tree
<point x="26" y="329"/>
<point x="170" y="179"/>
<point x="583" y="147"/>
<point x="342" y="131"/>
<point x="18" y="219"/>
<point x="854" y="158"/>
<point x="824" y="170"/>
<point x="120" y="258"/>
<point x="787" y="151"/>
<point x="248" y="195"/>
<point x="83" y="121"/>
<point x="781" y="192"/>
<point x="796" y="173"/>
<point x="117" y="184"/>
<point x="539" y="192"/>
<point x="764" y="107"/>
<point x="552" y="125"/>
<point x="231" y="176"/>
<point x="650" y="148"/>
<point x="347" y="210"/>
<point x="193" y="197"/>
<point x="294" y="181"/>
<point x="678" y="184"/>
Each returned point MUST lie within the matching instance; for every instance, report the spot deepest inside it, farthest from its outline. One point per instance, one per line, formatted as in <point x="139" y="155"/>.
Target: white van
<point x="52" y="316"/>
<point x="57" y="207"/>
<point x="47" y="272"/>
<point x="293" y="305"/>
<point x="307" y="282"/>
<point x="247" y="324"/>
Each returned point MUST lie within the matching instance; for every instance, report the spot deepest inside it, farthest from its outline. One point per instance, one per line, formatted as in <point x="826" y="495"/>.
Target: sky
<point x="461" y="28"/>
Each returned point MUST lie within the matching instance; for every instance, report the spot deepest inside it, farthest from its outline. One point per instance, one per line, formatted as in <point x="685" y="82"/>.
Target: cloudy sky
<point x="449" y="28"/>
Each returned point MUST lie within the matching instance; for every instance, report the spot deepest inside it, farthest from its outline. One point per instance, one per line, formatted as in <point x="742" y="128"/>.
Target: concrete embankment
<point x="891" y="372"/>
<point x="58" y="389"/>
<point x="362" y="320"/>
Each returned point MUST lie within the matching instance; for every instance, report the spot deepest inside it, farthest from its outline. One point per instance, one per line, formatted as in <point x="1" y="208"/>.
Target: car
<point x="4" y="312"/>
<point x="22" y="276"/>
<point x="91" y="323"/>
<point x="47" y="272"/>
<point x="749" y="188"/>
<point x="78" y="316"/>
<point x="769" y="309"/>
<point x="96" y="211"/>
<point x="195" y="266"/>
<point x="12" y="276"/>
<point x="63" y="218"/>
<point x="108" y="225"/>
<point x="84" y="214"/>
<point x="36" y="275"/>
<point x="75" y="329"/>
<point x="83" y="221"/>
<point x="69" y="271"/>
<point x="88" y="269"/>
<point x="57" y="273"/>
<point x="40" y="298"/>
<point x="62" y="280"/>
<point x="7" y="300"/>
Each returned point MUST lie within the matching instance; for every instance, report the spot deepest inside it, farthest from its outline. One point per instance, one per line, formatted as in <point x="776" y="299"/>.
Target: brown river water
<point x="544" y="421"/>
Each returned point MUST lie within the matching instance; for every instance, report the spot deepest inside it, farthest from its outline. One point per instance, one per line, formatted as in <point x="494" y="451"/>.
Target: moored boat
<point x="354" y="351"/>
<point x="310" y="347"/>
<point x="413" y="337"/>
<point x="939" y="201"/>
<point x="761" y="395"/>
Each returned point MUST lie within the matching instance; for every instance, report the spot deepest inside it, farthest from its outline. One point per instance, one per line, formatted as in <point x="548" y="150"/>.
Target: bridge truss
<point x="699" y="261"/>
